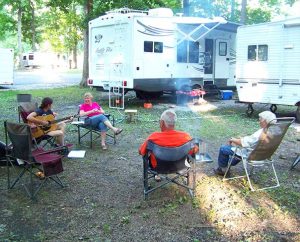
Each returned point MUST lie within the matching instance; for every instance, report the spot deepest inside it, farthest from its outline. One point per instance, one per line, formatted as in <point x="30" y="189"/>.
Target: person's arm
<point x="143" y="148"/>
<point x="101" y="110"/>
<point x="97" y="109"/>
<point x="31" y="118"/>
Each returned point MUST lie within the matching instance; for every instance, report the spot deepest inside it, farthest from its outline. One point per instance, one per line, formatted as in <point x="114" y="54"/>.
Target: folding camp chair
<point x="261" y="155"/>
<point x="171" y="167"/>
<point x="47" y="163"/>
<point x="24" y="109"/>
<point x="93" y="133"/>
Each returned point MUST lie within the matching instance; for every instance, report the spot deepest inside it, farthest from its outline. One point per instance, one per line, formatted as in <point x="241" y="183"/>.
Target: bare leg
<point x="109" y="125"/>
<point x="59" y="136"/>
<point x="103" y="138"/>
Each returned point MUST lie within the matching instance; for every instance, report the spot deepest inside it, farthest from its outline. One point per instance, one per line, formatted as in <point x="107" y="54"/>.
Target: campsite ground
<point x="103" y="200"/>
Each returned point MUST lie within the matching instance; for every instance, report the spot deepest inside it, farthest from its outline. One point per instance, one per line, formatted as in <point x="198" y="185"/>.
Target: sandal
<point x="119" y="131"/>
<point x="104" y="147"/>
<point x="40" y="175"/>
<point x="157" y="178"/>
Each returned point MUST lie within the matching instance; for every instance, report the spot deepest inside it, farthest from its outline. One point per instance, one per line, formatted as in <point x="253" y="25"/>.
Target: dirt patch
<point x="103" y="198"/>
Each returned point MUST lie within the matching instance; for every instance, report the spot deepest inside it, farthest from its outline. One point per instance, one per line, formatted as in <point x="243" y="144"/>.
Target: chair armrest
<point x="55" y="150"/>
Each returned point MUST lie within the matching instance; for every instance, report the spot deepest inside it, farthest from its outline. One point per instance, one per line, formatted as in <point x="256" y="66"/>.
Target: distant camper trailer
<point x="154" y="51"/>
<point x="6" y="66"/>
<point x="32" y="59"/>
<point x="268" y="64"/>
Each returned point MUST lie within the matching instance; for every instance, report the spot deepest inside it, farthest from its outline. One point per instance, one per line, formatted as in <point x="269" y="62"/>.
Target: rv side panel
<point x="268" y="60"/>
<point x="6" y="66"/>
<point x="110" y="52"/>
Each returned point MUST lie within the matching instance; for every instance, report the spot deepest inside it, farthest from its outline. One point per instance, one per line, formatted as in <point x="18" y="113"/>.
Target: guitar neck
<point x="59" y="120"/>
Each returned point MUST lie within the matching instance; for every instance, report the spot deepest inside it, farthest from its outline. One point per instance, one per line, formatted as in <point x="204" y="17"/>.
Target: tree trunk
<point x="244" y="12"/>
<point x="186" y="8"/>
<point x="85" y="69"/>
<point x="32" y="26"/>
<point x="232" y="10"/>
<point x="75" y="56"/>
<point x="20" y="47"/>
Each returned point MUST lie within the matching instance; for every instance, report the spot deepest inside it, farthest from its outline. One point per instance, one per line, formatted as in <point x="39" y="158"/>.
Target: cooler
<point x="226" y="94"/>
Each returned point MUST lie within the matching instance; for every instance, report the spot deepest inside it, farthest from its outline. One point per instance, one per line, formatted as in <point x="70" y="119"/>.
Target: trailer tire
<point x="197" y="86"/>
<point x="298" y="114"/>
<point x="273" y="108"/>
<point x="249" y="110"/>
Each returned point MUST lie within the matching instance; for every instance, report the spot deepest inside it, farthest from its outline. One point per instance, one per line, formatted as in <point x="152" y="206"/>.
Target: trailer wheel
<point x="197" y="86"/>
<point x="273" y="108"/>
<point x="250" y="110"/>
<point x="298" y="114"/>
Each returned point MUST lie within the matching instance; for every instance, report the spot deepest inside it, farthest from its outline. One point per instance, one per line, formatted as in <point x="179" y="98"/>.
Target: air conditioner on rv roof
<point x="161" y="12"/>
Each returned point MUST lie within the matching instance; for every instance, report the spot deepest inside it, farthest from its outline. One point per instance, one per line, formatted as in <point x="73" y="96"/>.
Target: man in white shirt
<point x="226" y="151"/>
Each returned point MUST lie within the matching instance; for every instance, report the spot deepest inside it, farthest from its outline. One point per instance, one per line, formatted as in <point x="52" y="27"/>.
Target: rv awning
<point x="196" y="31"/>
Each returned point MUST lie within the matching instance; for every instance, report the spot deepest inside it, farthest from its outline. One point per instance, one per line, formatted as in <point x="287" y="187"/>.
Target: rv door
<point x="222" y="59"/>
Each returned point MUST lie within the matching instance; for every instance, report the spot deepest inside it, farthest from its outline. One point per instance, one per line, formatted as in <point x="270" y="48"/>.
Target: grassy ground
<point x="103" y="200"/>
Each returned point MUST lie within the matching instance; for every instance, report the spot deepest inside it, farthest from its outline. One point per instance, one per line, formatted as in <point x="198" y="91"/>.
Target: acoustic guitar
<point x="40" y="130"/>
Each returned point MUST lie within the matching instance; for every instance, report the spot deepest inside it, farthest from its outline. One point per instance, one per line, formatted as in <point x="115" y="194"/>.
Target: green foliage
<point x="258" y="16"/>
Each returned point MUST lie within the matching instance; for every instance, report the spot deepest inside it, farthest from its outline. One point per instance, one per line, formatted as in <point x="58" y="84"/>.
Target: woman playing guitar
<point x="44" y="121"/>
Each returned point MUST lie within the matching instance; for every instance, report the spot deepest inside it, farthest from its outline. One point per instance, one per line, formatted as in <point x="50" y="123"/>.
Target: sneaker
<point x="157" y="178"/>
<point x="218" y="171"/>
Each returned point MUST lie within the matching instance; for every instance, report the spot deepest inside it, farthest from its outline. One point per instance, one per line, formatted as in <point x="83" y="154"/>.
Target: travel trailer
<point x="268" y="64"/>
<point x="153" y="51"/>
<point x="33" y="59"/>
<point x="6" y="66"/>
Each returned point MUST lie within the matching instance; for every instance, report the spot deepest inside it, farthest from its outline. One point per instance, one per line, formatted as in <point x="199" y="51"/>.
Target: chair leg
<point x="57" y="180"/>
<point x="10" y="165"/>
<point x="91" y="138"/>
<point x="191" y="182"/>
<point x="295" y="162"/>
<point x="248" y="177"/>
<point x="78" y="132"/>
<point x="228" y="169"/>
<point x="145" y="176"/>
<point x="264" y="188"/>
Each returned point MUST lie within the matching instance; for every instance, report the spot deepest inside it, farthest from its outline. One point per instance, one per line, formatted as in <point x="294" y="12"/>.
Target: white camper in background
<point x="268" y="64"/>
<point x="155" y="52"/>
<point x="33" y="59"/>
<point x="6" y="66"/>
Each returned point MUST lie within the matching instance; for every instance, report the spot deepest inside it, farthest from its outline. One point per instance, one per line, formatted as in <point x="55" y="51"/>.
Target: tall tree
<point x="243" y="12"/>
<point x="88" y="8"/>
<point x="20" y="47"/>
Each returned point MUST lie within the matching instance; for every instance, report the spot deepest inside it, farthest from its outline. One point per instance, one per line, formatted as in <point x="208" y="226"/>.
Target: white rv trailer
<point x="6" y="66"/>
<point x="268" y="64"/>
<point x="157" y="52"/>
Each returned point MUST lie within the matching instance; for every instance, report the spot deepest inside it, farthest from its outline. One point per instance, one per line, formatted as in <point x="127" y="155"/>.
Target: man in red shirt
<point x="168" y="137"/>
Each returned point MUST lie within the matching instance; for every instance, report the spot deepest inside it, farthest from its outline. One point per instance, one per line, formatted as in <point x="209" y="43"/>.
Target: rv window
<point x="31" y="57"/>
<point x="262" y="53"/>
<point x="251" y="52"/>
<point x="182" y="52"/>
<point x="188" y="52"/>
<point x="158" y="47"/>
<point x="193" y="52"/>
<point x="222" y="48"/>
<point x="148" y="46"/>
<point x="24" y="57"/>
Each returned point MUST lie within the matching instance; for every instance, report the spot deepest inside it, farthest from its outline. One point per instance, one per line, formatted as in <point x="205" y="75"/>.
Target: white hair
<point x="169" y="117"/>
<point x="267" y="116"/>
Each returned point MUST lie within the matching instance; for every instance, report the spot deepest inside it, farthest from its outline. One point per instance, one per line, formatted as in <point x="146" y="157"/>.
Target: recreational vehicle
<point x="268" y="64"/>
<point x="32" y="59"/>
<point x="6" y="66"/>
<point x="154" y="51"/>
